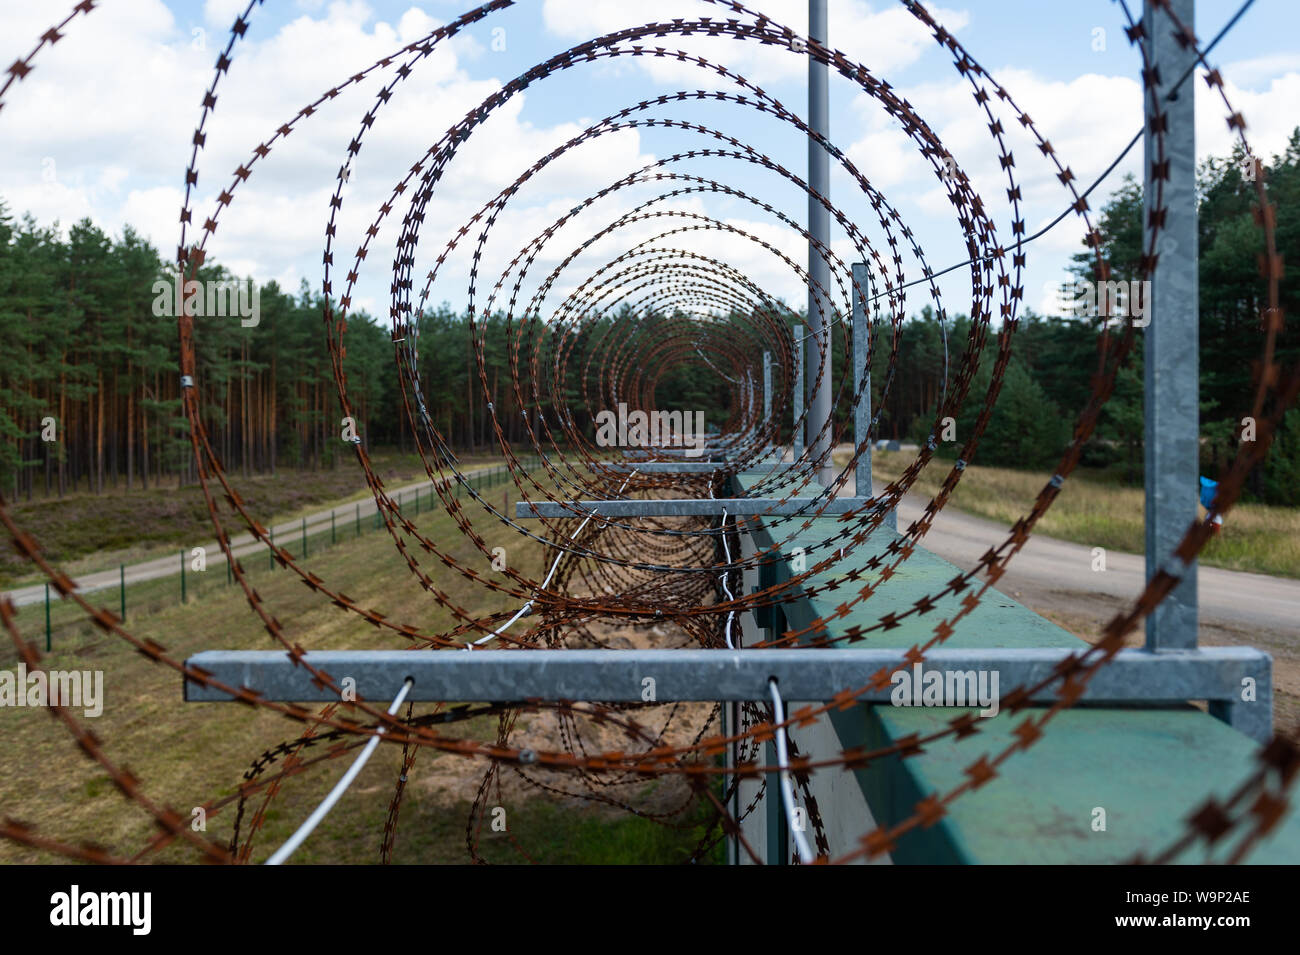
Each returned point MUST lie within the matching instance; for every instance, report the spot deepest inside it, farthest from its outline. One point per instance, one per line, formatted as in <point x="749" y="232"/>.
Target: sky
<point x="103" y="126"/>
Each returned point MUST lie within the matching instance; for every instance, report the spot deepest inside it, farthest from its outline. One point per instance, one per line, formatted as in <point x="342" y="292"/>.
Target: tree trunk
<point x="63" y="424"/>
<point x="144" y="441"/>
<point x="99" y="433"/>
<point x="49" y="446"/>
<point x="243" y="407"/>
<point x="318" y="412"/>
<point x="273" y="419"/>
<point x="162" y="440"/>
<point x="225" y="430"/>
<point x="114" y="446"/>
<point x="469" y="396"/>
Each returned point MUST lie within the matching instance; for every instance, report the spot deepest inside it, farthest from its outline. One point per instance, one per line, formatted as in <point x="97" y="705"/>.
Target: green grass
<point x="1096" y="510"/>
<point x="571" y="836"/>
<point x="187" y="754"/>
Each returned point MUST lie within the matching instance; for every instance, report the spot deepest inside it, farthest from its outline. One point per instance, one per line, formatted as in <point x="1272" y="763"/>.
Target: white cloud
<point x="84" y="136"/>
<point x="111" y="111"/>
<point x="885" y="39"/>
<point x="1088" y="121"/>
<point x="1260" y="71"/>
<point x="414" y="24"/>
<point x="1270" y="116"/>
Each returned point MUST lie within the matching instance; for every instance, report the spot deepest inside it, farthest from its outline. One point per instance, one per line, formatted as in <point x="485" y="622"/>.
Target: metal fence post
<point x="270" y="552"/>
<point x="47" y="618"/>
<point x="183" y="576"/>
<point x="820" y="306"/>
<point x="862" y="379"/>
<point x="796" y="399"/>
<point x="862" y="410"/>
<point x="121" y="590"/>
<point x="304" y="537"/>
<point x="357" y="522"/>
<point x="767" y="387"/>
<point x="333" y="538"/>
<point x="1171" y="407"/>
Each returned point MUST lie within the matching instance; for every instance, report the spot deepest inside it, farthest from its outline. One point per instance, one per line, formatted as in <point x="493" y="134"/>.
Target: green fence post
<point x="182" y="576"/>
<point x="417" y="502"/>
<point x="304" y="538"/>
<point x="333" y="539"/>
<point x="47" y="618"/>
<point x="230" y="560"/>
<point x="357" y="524"/>
<point x="121" y="589"/>
<point x="270" y="552"/>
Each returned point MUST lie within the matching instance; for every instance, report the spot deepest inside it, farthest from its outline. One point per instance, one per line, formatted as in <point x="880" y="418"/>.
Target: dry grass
<point x="187" y="754"/>
<point x="1099" y="512"/>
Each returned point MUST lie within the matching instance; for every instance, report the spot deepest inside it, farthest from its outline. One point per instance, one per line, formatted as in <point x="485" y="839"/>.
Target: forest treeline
<point x="1055" y="357"/>
<point x="84" y="349"/>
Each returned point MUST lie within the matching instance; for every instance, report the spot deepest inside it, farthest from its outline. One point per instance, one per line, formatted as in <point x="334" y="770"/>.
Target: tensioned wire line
<point x="558" y="557"/>
<point x="979" y="260"/>
<point x="806" y="855"/>
<point x="726" y="633"/>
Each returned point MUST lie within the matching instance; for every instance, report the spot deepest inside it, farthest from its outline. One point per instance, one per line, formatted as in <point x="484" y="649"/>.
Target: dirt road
<point x="1055" y="578"/>
<point x="285" y="534"/>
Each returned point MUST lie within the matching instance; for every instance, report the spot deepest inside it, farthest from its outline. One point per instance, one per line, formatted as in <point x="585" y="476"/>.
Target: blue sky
<point x="102" y="127"/>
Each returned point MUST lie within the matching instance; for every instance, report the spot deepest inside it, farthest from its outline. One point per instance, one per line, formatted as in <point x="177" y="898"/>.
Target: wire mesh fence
<point x="52" y="619"/>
